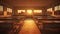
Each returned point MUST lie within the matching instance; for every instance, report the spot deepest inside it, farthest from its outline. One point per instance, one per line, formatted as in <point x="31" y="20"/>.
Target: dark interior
<point x="48" y="22"/>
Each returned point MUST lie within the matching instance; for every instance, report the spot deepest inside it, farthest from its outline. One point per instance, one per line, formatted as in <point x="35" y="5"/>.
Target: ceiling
<point x="30" y="3"/>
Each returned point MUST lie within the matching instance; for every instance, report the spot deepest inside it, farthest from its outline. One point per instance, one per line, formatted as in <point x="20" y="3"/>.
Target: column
<point x="53" y="11"/>
<point x="14" y="12"/>
<point x="5" y="11"/>
<point x="44" y="12"/>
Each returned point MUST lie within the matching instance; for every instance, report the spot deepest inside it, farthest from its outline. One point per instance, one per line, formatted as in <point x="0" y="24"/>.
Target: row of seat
<point x="49" y="26"/>
<point x="9" y="25"/>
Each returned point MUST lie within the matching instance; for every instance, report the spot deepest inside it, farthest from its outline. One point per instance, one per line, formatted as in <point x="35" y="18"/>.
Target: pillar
<point x="14" y="12"/>
<point x="44" y="12"/>
<point x="5" y="11"/>
<point x="53" y="11"/>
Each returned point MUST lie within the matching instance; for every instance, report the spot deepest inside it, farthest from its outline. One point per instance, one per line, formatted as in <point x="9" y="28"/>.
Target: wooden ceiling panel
<point x="41" y="3"/>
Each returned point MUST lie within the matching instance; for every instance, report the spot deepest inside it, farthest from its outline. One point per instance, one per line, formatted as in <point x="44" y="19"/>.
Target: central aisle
<point x="29" y="27"/>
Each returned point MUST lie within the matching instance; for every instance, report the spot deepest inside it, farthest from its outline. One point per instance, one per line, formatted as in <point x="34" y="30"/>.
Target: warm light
<point x="29" y="21"/>
<point x="9" y="10"/>
<point x="29" y="11"/>
<point x="5" y="13"/>
<point x="1" y="8"/>
<point x="37" y="11"/>
<point x="49" y="10"/>
<point x="29" y="27"/>
<point x="59" y="7"/>
<point x="20" y="11"/>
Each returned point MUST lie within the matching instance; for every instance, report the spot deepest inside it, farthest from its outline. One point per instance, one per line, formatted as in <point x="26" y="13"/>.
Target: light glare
<point x="20" y="11"/>
<point x="37" y="11"/>
<point x="29" y="11"/>
<point x="29" y="27"/>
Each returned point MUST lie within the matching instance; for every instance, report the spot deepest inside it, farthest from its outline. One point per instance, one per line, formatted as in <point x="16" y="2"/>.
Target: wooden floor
<point x="29" y="27"/>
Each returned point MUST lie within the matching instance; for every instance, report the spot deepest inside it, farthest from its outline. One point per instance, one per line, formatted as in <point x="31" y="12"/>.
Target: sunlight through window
<point x="37" y="11"/>
<point x="49" y="10"/>
<point x="9" y="10"/>
<point x="21" y="11"/>
<point x="1" y="8"/>
<point x="29" y="11"/>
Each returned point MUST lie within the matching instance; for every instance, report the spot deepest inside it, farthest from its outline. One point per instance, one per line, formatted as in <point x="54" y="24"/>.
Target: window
<point x="49" y="10"/>
<point x="1" y="10"/>
<point x="57" y="8"/>
<point x="29" y="11"/>
<point x="37" y="11"/>
<point x="21" y="11"/>
<point x="9" y="11"/>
